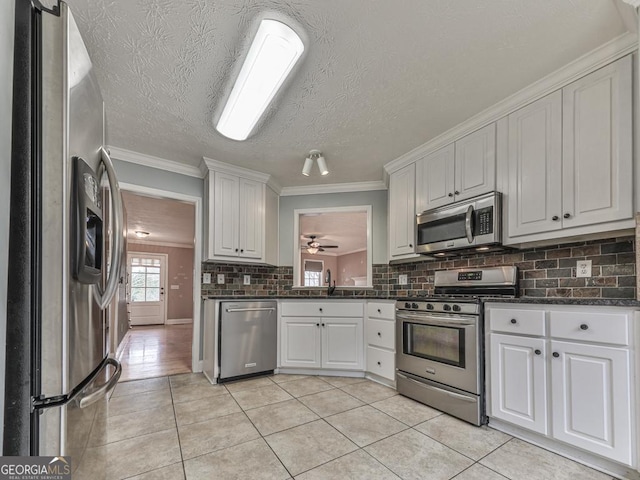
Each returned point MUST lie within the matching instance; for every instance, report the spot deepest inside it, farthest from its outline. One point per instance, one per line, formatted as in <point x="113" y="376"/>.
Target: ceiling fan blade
<point x="329" y="246"/>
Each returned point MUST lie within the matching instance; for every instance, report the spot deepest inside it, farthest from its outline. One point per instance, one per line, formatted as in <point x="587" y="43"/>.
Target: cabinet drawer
<point x="522" y="322"/>
<point x="322" y="309"/>
<point x="381" y="362"/>
<point x="590" y="327"/>
<point x="381" y="310"/>
<point x="381" y="333"/>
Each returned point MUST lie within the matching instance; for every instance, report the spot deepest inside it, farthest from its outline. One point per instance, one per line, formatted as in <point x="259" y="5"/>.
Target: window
<point x="145" y="279"/>
<point x="313" y="273"/>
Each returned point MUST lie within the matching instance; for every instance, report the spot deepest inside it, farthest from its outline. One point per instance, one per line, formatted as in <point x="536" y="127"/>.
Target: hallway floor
<point x="156" y="351"/>
<point x="285" y="426"/>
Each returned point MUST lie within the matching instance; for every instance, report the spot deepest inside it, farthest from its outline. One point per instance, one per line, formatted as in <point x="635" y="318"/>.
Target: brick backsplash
<point x="544" y="272"/>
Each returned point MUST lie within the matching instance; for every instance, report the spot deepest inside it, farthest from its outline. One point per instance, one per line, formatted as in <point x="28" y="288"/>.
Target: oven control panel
<point x="451" y="306"/>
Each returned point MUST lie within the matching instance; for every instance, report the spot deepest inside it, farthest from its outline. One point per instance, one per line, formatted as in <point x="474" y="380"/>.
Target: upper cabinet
<point x="569" y="159"/>
<point x="462" y="170"/>
<point x="238" y="210"/>
<point x="402" y="215"/>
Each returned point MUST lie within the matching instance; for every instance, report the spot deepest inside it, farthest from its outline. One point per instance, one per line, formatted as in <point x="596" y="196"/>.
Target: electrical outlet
<point x="402" y="279"/>
<point x="583" y="268"/>
<point x="220" y="278"/>
<point x="247" y="279"/>
<point x="206" y="278"/>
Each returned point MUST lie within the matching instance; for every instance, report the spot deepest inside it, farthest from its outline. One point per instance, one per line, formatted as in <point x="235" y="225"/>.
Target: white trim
<point x="333" y="188"/>
<point x="352" y="251"/>
<point x="179" y="321"/>
<point x="211" y="164"/>
<point x="633" y="3"/>
<point x="296" y="239"/>
<point x="159" y="244"/>
<point x="601" y="56"/>
<point x="196" y="363"/>
<point x="153" y="162"/>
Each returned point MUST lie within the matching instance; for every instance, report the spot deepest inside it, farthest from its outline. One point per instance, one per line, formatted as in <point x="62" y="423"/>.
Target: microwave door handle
<point x="467" y="223"/>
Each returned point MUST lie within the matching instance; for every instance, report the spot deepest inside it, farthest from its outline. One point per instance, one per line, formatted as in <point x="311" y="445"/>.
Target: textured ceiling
<point x="378" y="78"/>
<point x="347" y="230"/>
<point x="167" y="221"/>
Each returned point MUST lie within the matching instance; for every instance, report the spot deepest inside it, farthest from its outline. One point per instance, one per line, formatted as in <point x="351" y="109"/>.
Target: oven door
<point x="442" y="348"/>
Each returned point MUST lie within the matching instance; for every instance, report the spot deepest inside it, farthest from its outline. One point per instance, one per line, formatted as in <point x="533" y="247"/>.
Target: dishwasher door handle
<point x="257" y="309"/>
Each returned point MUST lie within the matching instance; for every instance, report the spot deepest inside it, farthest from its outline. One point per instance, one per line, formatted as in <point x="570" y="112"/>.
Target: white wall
<point x="377" y="199"/>
<point x="6" y="91"/>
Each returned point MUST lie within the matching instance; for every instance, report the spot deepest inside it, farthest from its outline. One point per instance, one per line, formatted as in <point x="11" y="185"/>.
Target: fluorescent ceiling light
<point x="275" y="50"/>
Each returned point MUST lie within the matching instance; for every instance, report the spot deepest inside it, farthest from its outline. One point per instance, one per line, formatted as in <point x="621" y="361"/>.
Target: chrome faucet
<point x="327" y="279"/>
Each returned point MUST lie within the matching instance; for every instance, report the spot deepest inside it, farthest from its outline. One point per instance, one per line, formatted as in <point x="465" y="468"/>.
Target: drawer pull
<point x="514" y="321"/>
<point x="556" y="354"/>
<point x="537" y="352"/>
<point x="379" y="334"/>
<point x="555" y="218"/>
<point x="379" y="311"/>
<point x="320" y="309"/>
<point x="584" y="326"/>
<point x="379" y="364"/>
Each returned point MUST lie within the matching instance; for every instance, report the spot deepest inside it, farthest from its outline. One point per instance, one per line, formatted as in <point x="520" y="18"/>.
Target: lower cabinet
<point x="327" y="341"/>
<point x="380" y="330"/>
<point x="560" y="383"/>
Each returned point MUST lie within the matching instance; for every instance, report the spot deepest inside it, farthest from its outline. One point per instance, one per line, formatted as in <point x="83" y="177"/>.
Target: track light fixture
<point x="308" y="163"/>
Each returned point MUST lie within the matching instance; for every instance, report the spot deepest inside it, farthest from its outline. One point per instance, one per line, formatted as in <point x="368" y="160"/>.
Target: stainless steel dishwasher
<point x="247" y="340"/>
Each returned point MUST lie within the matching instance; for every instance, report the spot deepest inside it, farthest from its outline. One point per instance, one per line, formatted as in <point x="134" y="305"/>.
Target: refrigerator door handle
<point x="103" y="298"/>
<point x="87" y="397"/>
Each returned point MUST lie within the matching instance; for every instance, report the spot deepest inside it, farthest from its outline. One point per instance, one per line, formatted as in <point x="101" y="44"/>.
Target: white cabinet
<point x="571" y="381"/>
<point x="458" y="171"/>
<point x="380" y="329"/>
<point x="569" y="159"/>
<point x="240" y="214"/>
<point x="402" y="215"/>
<point x="325" y="335"/>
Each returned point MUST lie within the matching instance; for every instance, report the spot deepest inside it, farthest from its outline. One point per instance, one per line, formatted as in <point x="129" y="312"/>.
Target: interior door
<point x="146" y="288"/>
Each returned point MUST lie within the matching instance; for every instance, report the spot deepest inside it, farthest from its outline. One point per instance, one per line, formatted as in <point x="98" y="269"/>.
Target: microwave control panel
<point x="484" y="221"/>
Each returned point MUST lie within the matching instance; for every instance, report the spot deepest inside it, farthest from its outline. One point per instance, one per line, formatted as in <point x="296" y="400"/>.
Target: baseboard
<point x="382" y="380"/>
<point x="178" y="321"/>
<point x="320" y="371"/>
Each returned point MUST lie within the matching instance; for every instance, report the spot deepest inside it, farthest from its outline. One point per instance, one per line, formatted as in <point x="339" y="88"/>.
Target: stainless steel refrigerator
<point x="62" y="275"/>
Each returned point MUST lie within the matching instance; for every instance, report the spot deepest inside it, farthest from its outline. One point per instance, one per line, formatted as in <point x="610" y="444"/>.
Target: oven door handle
<point x="439" y="390"/>
<point x="467" y="223"/>
<point x="432" y="320"/>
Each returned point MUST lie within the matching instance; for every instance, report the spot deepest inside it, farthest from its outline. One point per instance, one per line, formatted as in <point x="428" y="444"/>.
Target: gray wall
<point x="155" y="178"/>
<point x="6" y="91"/>
<point x="377" y="199"/>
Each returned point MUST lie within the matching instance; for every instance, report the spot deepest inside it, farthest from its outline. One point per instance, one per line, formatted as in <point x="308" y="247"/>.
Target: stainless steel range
<point x="440" y="350"/>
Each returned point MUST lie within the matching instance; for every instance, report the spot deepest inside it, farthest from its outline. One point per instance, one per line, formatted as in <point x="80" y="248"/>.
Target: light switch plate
<point x="206" y="278"/>
<point x="220" y="278"/>
<point x="583" y="268"/>
<point x="402" y="279"/>
<point x="247" y="279"/>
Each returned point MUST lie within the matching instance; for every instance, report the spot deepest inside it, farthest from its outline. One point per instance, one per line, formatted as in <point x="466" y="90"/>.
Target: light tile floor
<point x="284" y="426"/>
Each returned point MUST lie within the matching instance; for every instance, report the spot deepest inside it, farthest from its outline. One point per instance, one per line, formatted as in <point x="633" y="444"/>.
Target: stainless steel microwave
<point x="473" y="224"/>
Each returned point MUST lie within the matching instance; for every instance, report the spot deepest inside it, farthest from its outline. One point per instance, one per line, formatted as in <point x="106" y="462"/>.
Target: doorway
<point x="162" y="274"/>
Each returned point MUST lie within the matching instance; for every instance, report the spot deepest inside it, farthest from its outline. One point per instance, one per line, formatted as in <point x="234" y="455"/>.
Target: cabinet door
<point x="402" y="217"/>
<point x="342" y="343"/>
<point x="300" y="342"/>
<point x="535" y="167"/>
<point x="475" y="164"/>
<point x="597" y="147"/>
<point x="251" y="233"/>
<point x="519" y="381"/>
<point x="591" y="398"/>
<point x="225" y="214"/>
<point x="435" y="183"/>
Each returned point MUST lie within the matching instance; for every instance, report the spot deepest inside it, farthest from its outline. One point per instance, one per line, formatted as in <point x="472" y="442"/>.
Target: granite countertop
<point x="610" y="302"/>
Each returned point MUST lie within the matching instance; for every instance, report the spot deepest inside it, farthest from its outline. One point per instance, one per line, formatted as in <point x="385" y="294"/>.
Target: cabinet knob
<point x="537" y="352"/>
<point x="317" y="324"/>
<point x="379" y="334"/>
<point x="323" y="324"/>
<point x="456" y="192"/>
<point x="555" y="218"/>
<point x="451" y="194"/>
<point x="379" y="364"/>
<point x="379" y="311"/>
<point x="320" y="309"/>
<point x="236" y="249"/>
<point x="514" y="321"/>
<point x="584" y="326"/>
<point x="556" y="354"/>
<point x="241" y="250"/>
<point x="411" y="245"/>
<point x="567" y="215"/>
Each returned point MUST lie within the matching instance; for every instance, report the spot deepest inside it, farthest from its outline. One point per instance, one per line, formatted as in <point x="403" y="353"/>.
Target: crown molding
<point x="211" y="164"/>
<point x="333" y="188"/>
<point x="153" y="162"/>
<point x="633" y="3"/>
<point x="597" y="58"/>
<point x="151" y="243"/>
<point x="275" y="186"/>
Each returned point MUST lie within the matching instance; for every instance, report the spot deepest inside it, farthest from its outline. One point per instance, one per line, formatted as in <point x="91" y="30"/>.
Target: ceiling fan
<point x="313" y="246"/>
